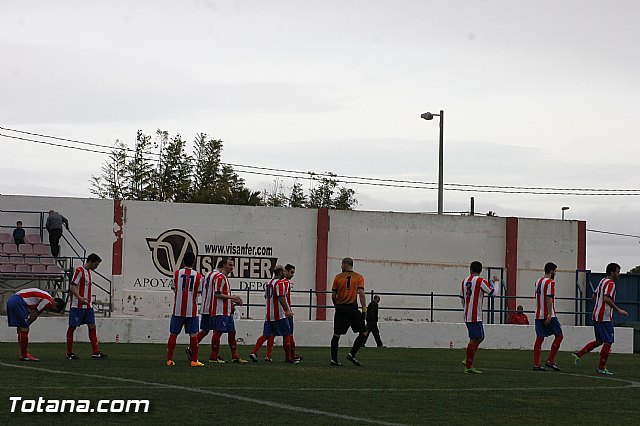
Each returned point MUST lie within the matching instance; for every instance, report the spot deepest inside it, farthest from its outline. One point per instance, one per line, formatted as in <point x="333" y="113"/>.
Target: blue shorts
<point x="603" y="331"/>
<point x="79" y="316"/>
<point x="290" y="319"/>
<point x="206" y="322"/>
<point x="280" y="327"/>
<point x="17" y="312"/>
<point x="223" y="324"/>
<point x="190" y="324"/>
<point x="476" y="330"/>
<point x="543" y="330"/>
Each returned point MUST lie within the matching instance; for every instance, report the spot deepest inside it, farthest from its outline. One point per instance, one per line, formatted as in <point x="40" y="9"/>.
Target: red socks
<point x="23" y="341"/>
<point x="201" y="336"/>
<point x="70" y="332"/>
<point x="193" y="345"/>
<point x="588" y="348"/>
<point x="93" y="338"/>
<point x="537" y="350"/>
<point x="471" y="353"/>
<point x="171" y="345"/>
<point x="259" y="343"/>
<point x="287" y="348"/>
<point x="215" y="345"/>
<point x="293" y="348"/>
<point x="270" y="345"/>
<point x="231" y="338"/>
<point x="555" y="347"/>
<point x="604" y="355"/>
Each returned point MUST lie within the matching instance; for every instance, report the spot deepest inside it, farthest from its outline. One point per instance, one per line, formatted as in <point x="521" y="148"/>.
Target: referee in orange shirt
<point x="347" y="287"/>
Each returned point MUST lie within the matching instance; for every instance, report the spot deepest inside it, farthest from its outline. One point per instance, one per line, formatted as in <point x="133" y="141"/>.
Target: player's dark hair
<point x="289" y="267"/>
<point x="550" y="266"/>
<point x="475" y="267"/>
<point x="94" y="258"/>
<point x="347" y="261"/>
<point x="60" y="305"/>
<point x="223" y="261"/>
<point x="189" y="259"/>
<point x="19" y="222"/>
<point x="611" y="268"/>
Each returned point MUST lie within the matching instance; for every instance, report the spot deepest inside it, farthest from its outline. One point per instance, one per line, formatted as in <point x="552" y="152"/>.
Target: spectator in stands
<point x="54" y="226"/>
<point x="18" y="234"/>
<point x="519" y="317"/>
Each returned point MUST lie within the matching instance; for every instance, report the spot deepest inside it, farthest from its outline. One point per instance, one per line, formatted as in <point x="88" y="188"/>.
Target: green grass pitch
<point x="394" y="385"/>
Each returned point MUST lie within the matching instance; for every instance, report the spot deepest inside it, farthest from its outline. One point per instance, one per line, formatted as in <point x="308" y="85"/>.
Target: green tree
<point x="139" y="172"/>
<point x="297" y="197"/>
<point x="324" y="194"/>
<point x="174" y="175"/>
<point x="635" y="271"/>
<point x="111" y="183"/>
<point x="274" y="195"/>
<point x="345" y="200"/>
<point x="207" y="176"/>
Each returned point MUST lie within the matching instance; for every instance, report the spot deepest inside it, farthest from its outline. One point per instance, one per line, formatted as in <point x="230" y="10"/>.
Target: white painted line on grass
<point x="208" y="392"/>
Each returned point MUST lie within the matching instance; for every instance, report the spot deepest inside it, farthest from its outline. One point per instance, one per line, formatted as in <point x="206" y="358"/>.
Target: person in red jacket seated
<point x="519" y="317"/>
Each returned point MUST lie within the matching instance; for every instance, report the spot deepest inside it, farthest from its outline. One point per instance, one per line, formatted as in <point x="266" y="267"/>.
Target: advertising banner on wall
<point x="257" y="239"/>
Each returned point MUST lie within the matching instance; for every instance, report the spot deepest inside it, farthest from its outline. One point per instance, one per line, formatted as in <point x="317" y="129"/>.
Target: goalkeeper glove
<point x="364" y="309"/>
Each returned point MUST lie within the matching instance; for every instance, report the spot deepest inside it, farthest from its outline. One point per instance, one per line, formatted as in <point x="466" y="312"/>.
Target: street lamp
<point x="429" y="116"/>
<point x="563" y="210"/>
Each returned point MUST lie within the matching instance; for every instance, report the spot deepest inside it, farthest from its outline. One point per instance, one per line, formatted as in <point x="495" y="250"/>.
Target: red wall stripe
<point x="582" y="245"/>
<point x="511" y="260"/>
<point x="322" y="252"/>
<point x="116" y="255"/>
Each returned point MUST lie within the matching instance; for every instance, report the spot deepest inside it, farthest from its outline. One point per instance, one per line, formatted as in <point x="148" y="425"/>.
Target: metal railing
<point x="67" y="263"/>
<point x="433" y="305"/>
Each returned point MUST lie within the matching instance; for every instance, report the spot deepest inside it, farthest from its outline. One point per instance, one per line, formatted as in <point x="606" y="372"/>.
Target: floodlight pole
<point x="429" y="116"/>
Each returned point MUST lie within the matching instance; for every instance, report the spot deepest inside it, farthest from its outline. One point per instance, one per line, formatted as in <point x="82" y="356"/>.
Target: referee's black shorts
<point x="348" y="316"/>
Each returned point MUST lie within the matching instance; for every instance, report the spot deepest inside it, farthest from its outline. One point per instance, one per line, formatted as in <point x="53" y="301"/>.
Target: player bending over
<point x="23" y="308"/>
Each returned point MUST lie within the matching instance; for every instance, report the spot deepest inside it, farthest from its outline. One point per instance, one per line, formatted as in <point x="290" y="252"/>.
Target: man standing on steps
<point x="54" y="227"/>
<point x="347" y="288"/>
<point x="604" y="297"/>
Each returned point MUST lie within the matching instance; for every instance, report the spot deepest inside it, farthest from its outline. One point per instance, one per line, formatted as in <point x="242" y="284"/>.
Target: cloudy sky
<point x="540" y="94"/>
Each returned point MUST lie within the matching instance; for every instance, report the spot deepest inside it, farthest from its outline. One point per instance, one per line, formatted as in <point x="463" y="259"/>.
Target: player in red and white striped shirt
<point x="221" y="306"/>
<point x="277" y="312"/>
<point x="23" y="308"/>
<point x="187" y="284"/>
<point x="472" y="291"/>
<point x="289" y="272"/>
<point x="546" y="321"/>
<point x="604" y="297"/>
<point x="81" y="310"/>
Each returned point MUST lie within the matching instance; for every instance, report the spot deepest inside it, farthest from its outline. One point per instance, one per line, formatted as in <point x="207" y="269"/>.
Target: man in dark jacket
<point x="372" y="320"/>
<point x="54" y="226"/>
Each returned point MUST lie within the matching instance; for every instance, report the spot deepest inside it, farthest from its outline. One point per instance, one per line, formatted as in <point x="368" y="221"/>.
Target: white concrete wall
<point x="318" y="334"/>
<point x="396" y="252"/>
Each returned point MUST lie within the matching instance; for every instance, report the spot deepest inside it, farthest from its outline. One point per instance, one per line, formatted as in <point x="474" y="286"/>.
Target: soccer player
<point x="289" y="272"/>
<point x="472" y="293"/>
<point x="186" y="284"/>
<point x="278" y="311"/>
<point x="222" y="307"/>
<point x="604" y="297"/>
<point x="81" y="310"/>
<point x="347" y="288"/>
<point x="20" y="305"/>
<point x="546" y="321"/>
